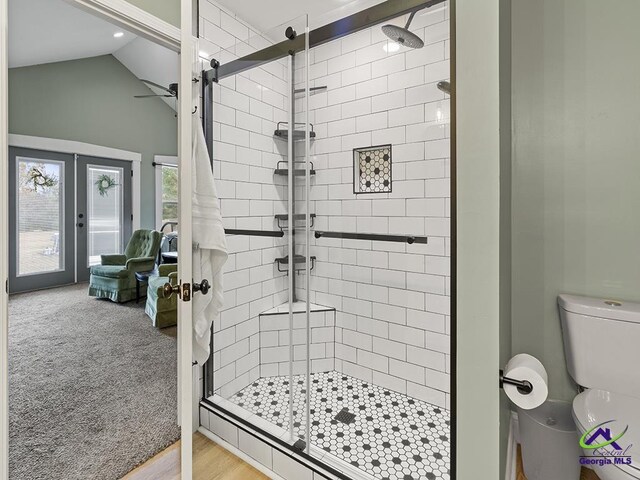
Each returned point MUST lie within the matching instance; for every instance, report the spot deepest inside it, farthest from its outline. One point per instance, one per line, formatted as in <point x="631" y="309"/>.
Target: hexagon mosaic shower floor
<point x="392" y="437"/>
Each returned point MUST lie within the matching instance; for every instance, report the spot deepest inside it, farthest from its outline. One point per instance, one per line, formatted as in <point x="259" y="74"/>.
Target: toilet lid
<point x="593" y="409"/>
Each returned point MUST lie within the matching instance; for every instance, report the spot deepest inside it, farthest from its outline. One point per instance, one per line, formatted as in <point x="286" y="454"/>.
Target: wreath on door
<point x="104" y="184"/>
<point x="40" y="179"/>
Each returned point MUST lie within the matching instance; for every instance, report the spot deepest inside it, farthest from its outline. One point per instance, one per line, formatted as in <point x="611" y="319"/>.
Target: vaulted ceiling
<point x="46" y="31"/>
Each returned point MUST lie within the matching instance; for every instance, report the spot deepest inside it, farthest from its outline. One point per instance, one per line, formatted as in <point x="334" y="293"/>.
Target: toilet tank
<point x="602" y="342"/>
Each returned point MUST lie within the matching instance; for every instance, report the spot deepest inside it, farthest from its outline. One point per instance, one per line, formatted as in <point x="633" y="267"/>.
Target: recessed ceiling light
<point x="118" y="35"/>
<point x="390" y="47"/>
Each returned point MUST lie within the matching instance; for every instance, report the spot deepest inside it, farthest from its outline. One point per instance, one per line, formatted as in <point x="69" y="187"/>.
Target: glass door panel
<point x="104" y="210"/>
<point x="40" y="216"/>
<point x="259" y="365"/>
<point x="104" y="222"/>
<point x="41" y="227"/>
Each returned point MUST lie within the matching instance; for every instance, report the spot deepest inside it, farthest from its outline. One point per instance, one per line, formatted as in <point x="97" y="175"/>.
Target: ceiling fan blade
<point x="156" y="85"/>
<point x="151" y="96"/>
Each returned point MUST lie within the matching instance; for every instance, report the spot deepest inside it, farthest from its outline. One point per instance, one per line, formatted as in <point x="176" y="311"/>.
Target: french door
<point x="41" y="220"/>
<point x="104" y="210"/>
<point x="65" y="211"/>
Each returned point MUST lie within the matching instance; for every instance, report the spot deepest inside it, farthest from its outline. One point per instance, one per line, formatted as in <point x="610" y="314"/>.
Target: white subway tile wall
<point x="275" y="342"/>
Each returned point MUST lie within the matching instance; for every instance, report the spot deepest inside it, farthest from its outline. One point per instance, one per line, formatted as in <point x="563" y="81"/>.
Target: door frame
<point x="479" y="233"/>
<point x="188" y="93"/>
<point x="142" y="23"/>
<point x="4" y="242"/>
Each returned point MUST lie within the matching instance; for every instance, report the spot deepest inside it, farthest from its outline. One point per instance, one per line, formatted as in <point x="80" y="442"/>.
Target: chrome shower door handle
<point x="202" y="287"/>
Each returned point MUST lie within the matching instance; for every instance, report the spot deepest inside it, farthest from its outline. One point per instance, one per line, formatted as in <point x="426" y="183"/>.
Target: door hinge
<point x="186" y="292"/>
<point x="132" y="173"/>
<point x="132" y="217"/>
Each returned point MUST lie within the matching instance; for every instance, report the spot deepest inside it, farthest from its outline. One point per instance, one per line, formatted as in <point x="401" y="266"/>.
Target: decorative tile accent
<point x="372" y="169"/>
<point x="392" y="436"/>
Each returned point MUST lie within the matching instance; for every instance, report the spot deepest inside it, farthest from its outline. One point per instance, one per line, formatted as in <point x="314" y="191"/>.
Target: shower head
<point x="445" y="87"/>
<point x="403" y="36"/>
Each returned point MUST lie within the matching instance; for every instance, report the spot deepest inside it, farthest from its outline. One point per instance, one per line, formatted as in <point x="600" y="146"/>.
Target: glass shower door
<point x="259" y="366"/>
<point x="336" y="337"/>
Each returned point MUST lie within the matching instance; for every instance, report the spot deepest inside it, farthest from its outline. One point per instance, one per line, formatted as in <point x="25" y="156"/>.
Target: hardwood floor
<point x="586" y="474"/>
<point x="210" y="462"/>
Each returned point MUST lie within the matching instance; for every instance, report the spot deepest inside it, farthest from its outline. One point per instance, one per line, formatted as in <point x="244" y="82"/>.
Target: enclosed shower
<point x="330" y="148"/>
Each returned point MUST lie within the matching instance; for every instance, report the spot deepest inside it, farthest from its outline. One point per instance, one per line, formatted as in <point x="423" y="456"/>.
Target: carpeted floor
<point x="92" y="386"/>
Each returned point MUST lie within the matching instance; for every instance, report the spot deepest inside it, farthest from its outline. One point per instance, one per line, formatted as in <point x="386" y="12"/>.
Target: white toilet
<point x="602" y="348"/>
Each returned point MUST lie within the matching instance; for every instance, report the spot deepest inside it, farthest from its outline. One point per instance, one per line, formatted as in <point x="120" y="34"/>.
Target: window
<point x="166" y="191"/>
<point x="169" y="194"/>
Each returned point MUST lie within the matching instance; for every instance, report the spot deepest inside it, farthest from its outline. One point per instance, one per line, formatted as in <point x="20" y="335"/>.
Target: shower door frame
<point x="338" y="29"/>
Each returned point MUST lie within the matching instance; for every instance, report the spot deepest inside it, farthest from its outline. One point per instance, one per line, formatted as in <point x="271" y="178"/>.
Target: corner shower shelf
<point x="283" y="217"/>
<point x="283" y="133"/>
<point x="297" y="307"/>
<point x="297" y="260"/>
<point x="298" y="172"/>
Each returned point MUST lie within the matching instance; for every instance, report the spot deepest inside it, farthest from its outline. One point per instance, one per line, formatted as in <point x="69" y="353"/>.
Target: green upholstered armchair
<point x="162" y="311"/>
<point x="115" y="277"/>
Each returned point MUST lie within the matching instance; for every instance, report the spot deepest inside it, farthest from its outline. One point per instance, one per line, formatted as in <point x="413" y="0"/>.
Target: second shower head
<point x="444" y="86"/>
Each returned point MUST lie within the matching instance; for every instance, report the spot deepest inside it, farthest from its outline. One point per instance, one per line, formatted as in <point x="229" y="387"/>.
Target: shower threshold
<point x="359" y="428"/>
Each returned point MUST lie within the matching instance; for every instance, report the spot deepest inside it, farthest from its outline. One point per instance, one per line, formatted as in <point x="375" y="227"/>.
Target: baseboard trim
<point x="512" y="447"/>
<point x="240" y="454"/>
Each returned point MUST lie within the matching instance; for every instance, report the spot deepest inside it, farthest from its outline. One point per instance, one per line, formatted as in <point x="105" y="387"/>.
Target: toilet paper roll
<point x="529" y="368"/>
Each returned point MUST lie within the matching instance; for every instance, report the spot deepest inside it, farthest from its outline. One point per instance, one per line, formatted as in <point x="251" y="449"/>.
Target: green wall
<point x="479" y="294"/>
<point x="576" y="165"/>
<point x="91" y="100"/>
<point x="167" y="10"/>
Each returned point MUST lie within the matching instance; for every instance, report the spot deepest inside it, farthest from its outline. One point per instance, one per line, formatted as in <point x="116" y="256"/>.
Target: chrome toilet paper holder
<point x="524" y="387"/>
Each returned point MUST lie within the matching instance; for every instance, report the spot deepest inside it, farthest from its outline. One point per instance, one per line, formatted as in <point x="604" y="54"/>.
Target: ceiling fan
<point x="172" y="91"/>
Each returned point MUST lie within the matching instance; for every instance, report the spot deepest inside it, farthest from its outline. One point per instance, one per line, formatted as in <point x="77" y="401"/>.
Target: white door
<point x="187" y="95"/>
<point x="4" y="245"/>
<point x="121" y="13"/>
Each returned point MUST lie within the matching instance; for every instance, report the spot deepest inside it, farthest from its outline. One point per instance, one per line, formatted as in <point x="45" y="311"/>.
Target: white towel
<point x="208" y="235"/>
